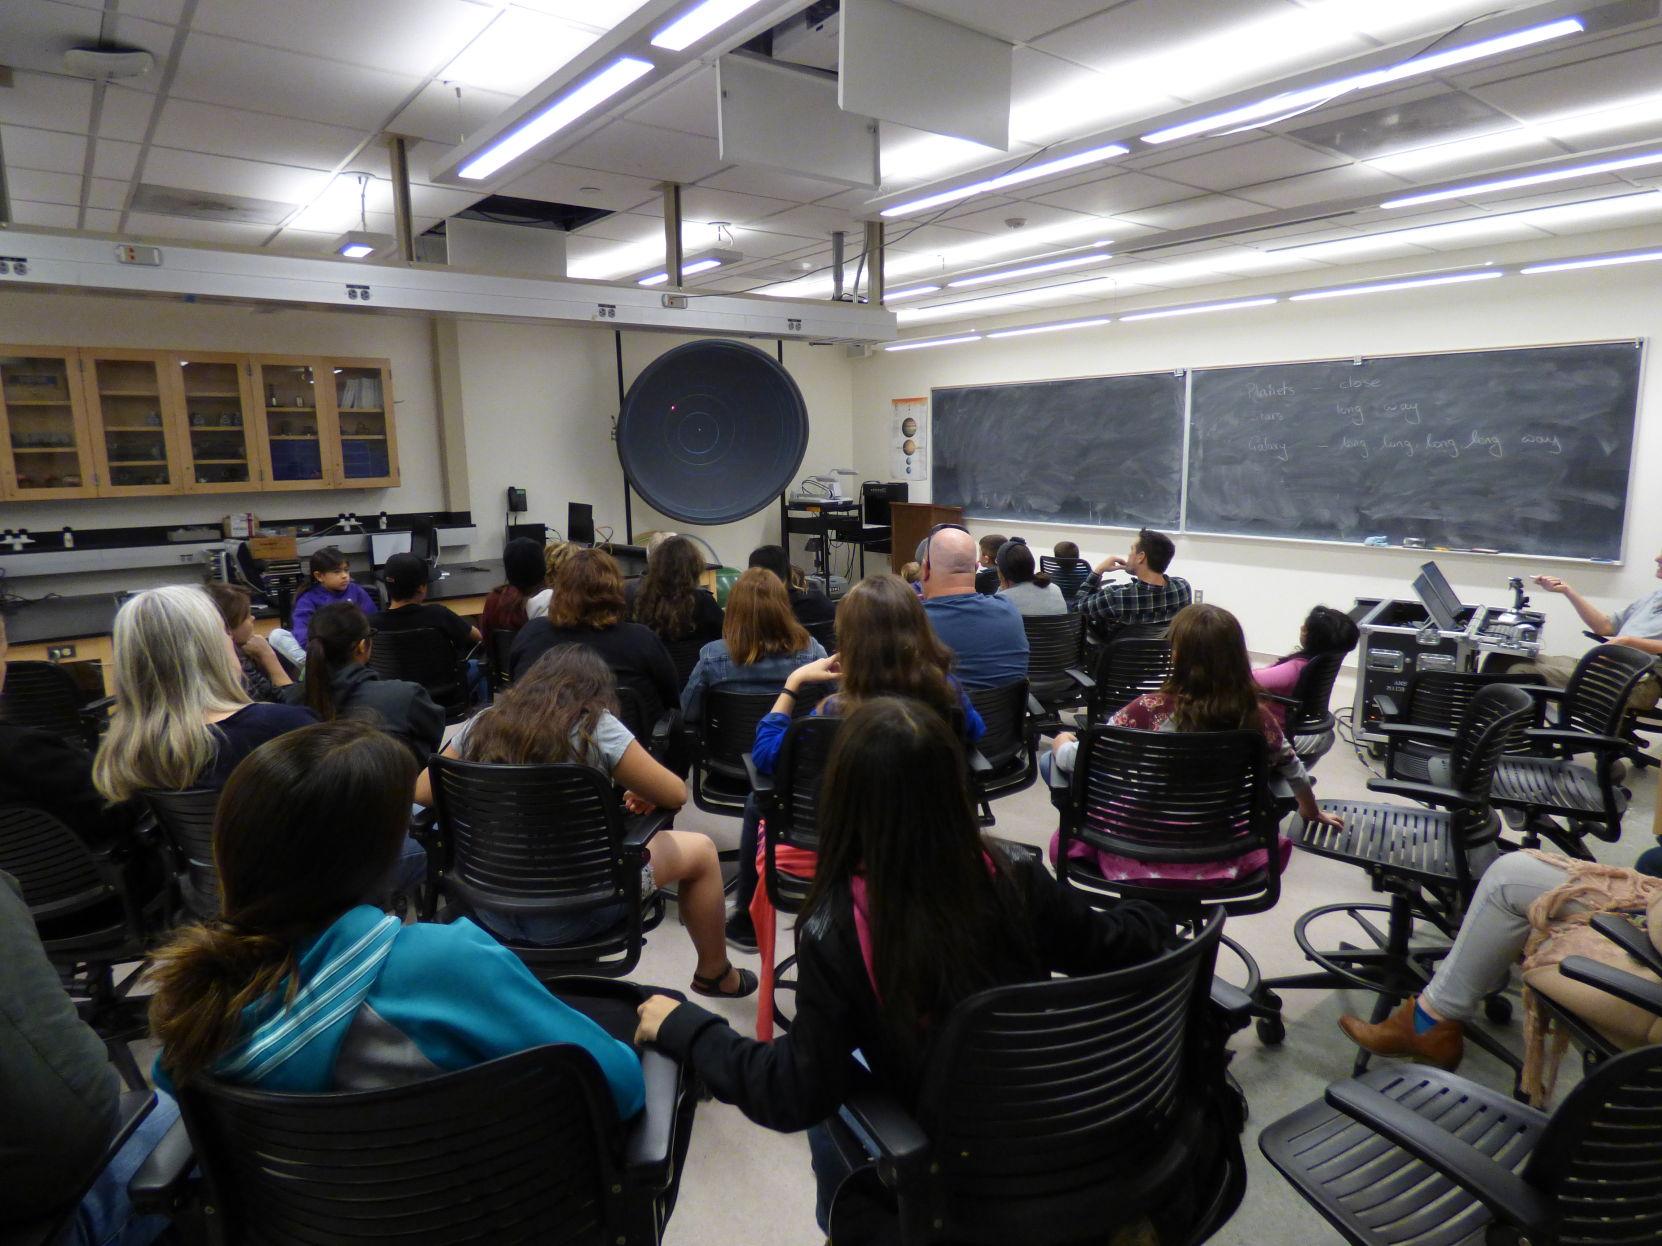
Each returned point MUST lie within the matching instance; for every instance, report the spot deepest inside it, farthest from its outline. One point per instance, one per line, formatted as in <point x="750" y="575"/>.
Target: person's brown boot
<point x="1442" y="1045"/>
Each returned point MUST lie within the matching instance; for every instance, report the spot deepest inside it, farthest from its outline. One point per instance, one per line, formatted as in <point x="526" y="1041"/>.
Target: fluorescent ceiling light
<point x="1051" y="328"/>
<point x="1599" y="261"/>
<point x="357" y="244"/>
<point x="1307" y="97"/>
<point x="643" y="255"/>
<point x="556" y="117"/>
<point x="911" y="292"/>
<point x="699" y="21"/>
<point x="1197" y="309"/>
<point x="1411" y="283"/>
<point x="687" y="270"/>
<point x="1029" y="270"/>
<point x="939" y="341"/>
<point x="1027" y="173"/>
<point x="1526" y="179"/>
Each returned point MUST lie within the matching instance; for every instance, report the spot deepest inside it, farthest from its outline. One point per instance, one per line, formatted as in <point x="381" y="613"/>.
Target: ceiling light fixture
<point x="1597" y="261"/>
<point x="1322" y="93"/>
<point x="357" y="244"/>
<point x="912" y="292"/>
<point x="1027" y="173"/>
<point x="699" y="21"/>
<point x="1411" y="283"/>
<point x="687" y="270"/>
<point x="1051" y="328"/>
<point x="1029" y="270"/>
<point x="1526" y="179"/>
<point x="1197" y="309"/>
<point x="564" y="111"/>
<point x="939" y="341"/>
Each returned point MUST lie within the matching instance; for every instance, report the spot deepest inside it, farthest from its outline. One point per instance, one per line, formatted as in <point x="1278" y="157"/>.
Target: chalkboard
<point x="1095" y="450"/>
<point x="1525" y="451"/>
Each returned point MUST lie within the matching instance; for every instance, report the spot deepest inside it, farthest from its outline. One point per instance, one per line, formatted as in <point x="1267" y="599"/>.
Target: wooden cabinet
<point x="222" y="450"/>
<point x="44" y="443"/>
<point x="293" y="427"/>
<point x="132" y="421"/>
<point x="365" y="442"/>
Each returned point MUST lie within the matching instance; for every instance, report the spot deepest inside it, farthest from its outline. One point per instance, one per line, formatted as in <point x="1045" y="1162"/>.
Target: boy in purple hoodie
<point x="331" y="582"/>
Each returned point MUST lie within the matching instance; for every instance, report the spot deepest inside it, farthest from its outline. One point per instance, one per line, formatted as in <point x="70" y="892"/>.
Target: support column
<point x="399" y="159"/>
<point x="672" y="233"/>
<point x="837" y="238"/>
<point x="874" y="263"/>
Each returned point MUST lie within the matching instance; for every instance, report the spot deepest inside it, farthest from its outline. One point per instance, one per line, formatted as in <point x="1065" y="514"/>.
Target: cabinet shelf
<point x="292" y="437"/>
<point x="128" y="393"/>
<point x="132" y="428"/>
<point x="281" y="410"/>
<point x="362" y="410"/>
<point x="138" y="462"/>
<point x="211" y="393"/>
<point x="36" y="402"/>
<point x="216" y="428"/>
<point x="221" y="462"/>
<point x="363" y="436"/>
<point x="43" y="449"/>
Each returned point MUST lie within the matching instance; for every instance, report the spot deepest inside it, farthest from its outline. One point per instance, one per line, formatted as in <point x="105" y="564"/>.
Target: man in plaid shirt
<point x="1151" y="596"/>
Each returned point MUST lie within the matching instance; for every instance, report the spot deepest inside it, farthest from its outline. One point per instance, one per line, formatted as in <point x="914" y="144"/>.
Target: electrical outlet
<point x="59" y="653"/>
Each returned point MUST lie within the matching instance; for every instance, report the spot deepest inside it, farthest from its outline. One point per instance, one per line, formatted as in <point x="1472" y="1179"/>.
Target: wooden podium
<point x="911" y="522"/>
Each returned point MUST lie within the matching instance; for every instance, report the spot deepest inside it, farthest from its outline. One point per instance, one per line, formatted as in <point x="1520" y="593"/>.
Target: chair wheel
<point x="1272" y="1031"/>
<point x="1498" y="1009"/>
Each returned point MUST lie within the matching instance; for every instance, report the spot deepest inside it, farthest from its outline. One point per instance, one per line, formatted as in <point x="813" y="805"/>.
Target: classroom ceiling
<point x="259" y="115"/>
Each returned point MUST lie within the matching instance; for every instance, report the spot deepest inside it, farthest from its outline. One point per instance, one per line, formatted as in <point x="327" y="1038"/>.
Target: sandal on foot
<point x="712" y="985"/>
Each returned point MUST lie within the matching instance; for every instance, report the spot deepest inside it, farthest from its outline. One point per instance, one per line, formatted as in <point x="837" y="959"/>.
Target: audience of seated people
<point x="984" y="633"/>
<point x="986" y="563"/>
<point x="564" y="709"/>
<point x="331" y="583"/>
<point x="263" y="672"/>
<point x="1021" y="584"/>
<point x="810" y="606"/>
<point x="761" y="643"/>
<point x="406" y="577"/>
<point x="1068" y="560"/>
<point x="1325" y="630"/>
<point x="669" y="599"/>
<point x="505" y="605"/>
<point x="1150" y="596"/>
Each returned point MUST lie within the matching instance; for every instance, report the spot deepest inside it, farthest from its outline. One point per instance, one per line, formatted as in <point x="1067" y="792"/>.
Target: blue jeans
<point x="105" y="1216"/>
<point x="1650" y="862"/>
<point x="830" y="1171"/>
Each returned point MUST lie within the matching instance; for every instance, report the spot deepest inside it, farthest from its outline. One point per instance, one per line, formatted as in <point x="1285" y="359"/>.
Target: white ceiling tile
<point x="558" y="183"/>
<point x="50" y="215"/>
<point x="854" y="200"/>
<point x="623" y="227"/>
<point x="688" y="105"/>
<point x="1577" y="87"/>
<point x="1343" y="182"/>
<point x="165" y="11"/>
<point x="771" y="182"/>
<point x="125" y="115"/>
<point x="647" y="151"/>
<point x="47" y="151"/>
<point x="1115" y="194"/>
<point x="1015" y="23"/>
<point x="1247" y="163"/>
<point x="439" y="116"/>
<point x="440" y="201"/>
<point x="44" y="187"/>
<point x="603" y="14"/>
<point x="706" y="203"/>
<point x="107" y="193"/>
<point x="762" y="243"/>
<point x="215" y="70"/>
<point x="191" y="170"/>
<point x="994" y="218"/>
<point x="36" y="34"/>
<point x="45" y="102"/>
<point x="1148" y="28"/>
<point x="220" y="131"/>
<point x="1204" y="210"/>
<point x="411" y="37"/>
<point x="116" y="160"/>
<point x="517" y="51"/>
<point x="102" y="220"/>
<point x="817" y="221"/>
<point x="237" y="233"/>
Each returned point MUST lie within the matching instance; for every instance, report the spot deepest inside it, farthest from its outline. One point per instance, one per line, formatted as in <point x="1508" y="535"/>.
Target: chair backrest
<point x="425" y="656"/>
<point x="1055" y="643"/>
<point x="1069" y="577"/>
<point x="1055" y="1104"/>
<point x="1004" y="711"/>
<point x="794" y="819"/>
<point x="520" y="1149"/>
<point x="424" y="540"/>
<point x="496" y="653"/>
<point x="1595" y="699"/>
<point x="1128" y="667"/>
<point x="825" y="631"/>
<point x="58" y="873"/>
<point x="1313" y="692"/>
<point x="44" y="696"/>
<point x="1494" y="724"/>
<point x="187" y="820"/>
<point x="684" y="654"/>
<point x="1441" y="698"/>
<point x="639" y="707"/>
<point x="1177" y="798"/>
<point x="730" y="718"/>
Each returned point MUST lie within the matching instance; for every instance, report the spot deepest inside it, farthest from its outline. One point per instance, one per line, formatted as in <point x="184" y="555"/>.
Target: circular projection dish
<point x="712" y="431"/>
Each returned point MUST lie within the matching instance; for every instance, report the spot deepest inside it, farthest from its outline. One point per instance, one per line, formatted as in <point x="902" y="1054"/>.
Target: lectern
<point x="911" y="522"/>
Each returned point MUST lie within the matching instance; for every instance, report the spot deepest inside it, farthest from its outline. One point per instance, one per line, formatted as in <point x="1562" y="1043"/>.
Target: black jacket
<point x="634" y="653"/>
<point x="800" y="1079"/>
<point x="812" y="606"/>
<point x="400" y="708"/>
<point x="47" y="772"/>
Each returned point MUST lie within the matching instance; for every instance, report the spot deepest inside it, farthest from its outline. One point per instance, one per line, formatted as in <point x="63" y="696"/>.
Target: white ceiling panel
<point x="35" y="35"/>
<point x="623" y="227"/>
<point x="1116" y="194"/>
<point x="220" y="131"/>
<point x="221" y="71"/>
<point x="165" y="11"/>
<point x="1343" y="182"/>
<point x="706" y="203"/>
<point x="45" y="150"/>
<point x="817" y="221"/>
<point x="115" y="160"/>
<point x="1203" y="210"/>
<point x="517" y="51"/>
<point x="191" y="170"/>
<point x="102" y="220"/>
<point x="1150" y="28"/>
<point x="604" y="14"/>
<point x="688" y="106"/>
<point x="48" y="215"/>
<point x="403" y="36"/>
<point x="237" y="233"/>
<point x="439" y="201"/>
<point x="1577" y="87"/>
<point x="40" y="187"/>
<point x="993" y="219"/>
<point x="855" y="201"/>
<point x="437" y="114"/>
<point x="1259" y="160"/>
<point x="558" y="183"/>
<point x="1016" y="23"/>
<point x="45" y="101"/>
<point x="107" y="194"/>
<point x="647" y="151"/>
<point x="125" y="115"/>
<point x="771" y="182"/>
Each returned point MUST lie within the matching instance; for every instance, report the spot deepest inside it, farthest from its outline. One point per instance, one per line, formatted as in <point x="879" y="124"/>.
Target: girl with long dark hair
<point x="670" y="600"/>
<point x="1023" y="585"/>
<point x="910" y="912"/>
<point x="1325" y="630"/>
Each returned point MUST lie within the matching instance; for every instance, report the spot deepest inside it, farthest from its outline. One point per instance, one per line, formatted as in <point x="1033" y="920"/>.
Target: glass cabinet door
<point x="290" y="426"/>
<point x="131" y="421"/>
<point x="219" y="445"/>
<point x="43" y="425"/>
<point x="363" y="417"/>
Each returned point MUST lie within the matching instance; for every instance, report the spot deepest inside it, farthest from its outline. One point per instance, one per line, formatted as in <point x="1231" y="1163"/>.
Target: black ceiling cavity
<point x="531" y="213"/>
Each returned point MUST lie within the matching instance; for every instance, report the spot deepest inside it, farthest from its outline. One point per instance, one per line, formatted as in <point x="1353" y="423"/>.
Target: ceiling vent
<point x="1405" y="127"/>
<point x="203" y="205"/>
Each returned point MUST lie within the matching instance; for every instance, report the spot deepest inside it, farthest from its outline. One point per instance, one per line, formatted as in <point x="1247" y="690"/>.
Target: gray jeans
<point x="1492" y="937"/>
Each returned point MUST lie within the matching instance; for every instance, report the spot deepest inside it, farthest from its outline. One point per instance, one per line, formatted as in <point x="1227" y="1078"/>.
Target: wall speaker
<point x="712" y="431"/>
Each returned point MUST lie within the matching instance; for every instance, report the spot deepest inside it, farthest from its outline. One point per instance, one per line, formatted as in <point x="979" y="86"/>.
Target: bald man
<point x="985" y="633"/>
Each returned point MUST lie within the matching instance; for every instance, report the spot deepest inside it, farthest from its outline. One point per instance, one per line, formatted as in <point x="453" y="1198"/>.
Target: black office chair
<point x="89" y="922"/>
<point x="1006" y="757"/>
<point x="720" y="783"/>
<point x="186" y="820"/>
<point x="49" y="1230"/>
<point x="1420" y="857"/>
<point x="684" y="654"/>
<point x="425" y="656"/>
<point x="1413" y="1156"/>
<point x="1310" y="723"/>
<point x="649" y="720"/>
<point x="1434" y="701"/>
<point x="1070" y="578"/>
<point x="1055" y="663"/>
<point x="525" y="1148"/>
<point x="498" y="645"/>
<point x="825" y="632"/>
<point x="1126" y="668"/>
<point x="45" y="696"/>
<point x="424" y="542"/>
<point x="546" y="841"/>
<point x="1171" y="798"/>
<point x="1058" y="1111"/>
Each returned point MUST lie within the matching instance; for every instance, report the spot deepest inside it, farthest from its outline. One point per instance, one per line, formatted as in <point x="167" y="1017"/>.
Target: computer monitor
<point x="1443" y="588"/>
<point x="580" y="523"/>
<point x="1438" y="598"/>
<point x="383" y="545"/>
<point x="878" y="496"/>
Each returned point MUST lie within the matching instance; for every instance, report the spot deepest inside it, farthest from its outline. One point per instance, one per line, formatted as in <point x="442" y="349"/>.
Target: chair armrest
<point x="1543" y="692"/>
<point x="1081" y="678"/>
<point x="896" y="1140"/>
<point x="1502" y="1191"/>
<point x="1034" y="709"/>
<point x="663" y="729"/>
<point x="1618" y="982"/>
<point x="162" y="1183"/>
<point x="1234" y="1003"/>
<point x="977" y="763"/>
<point x="1386" y="704"/>
<point x="1291" y="703"/>
<point x="96" y="709"/>
<point x="1425" y="793"/>
<point x="649" y="1147"/>
<point x="638" y="828"/>
<point x="1580" y="741"/>
<point x="1415" y="731"/>
<point x="1630" y="939"/>
<point x="759" y="783"/>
